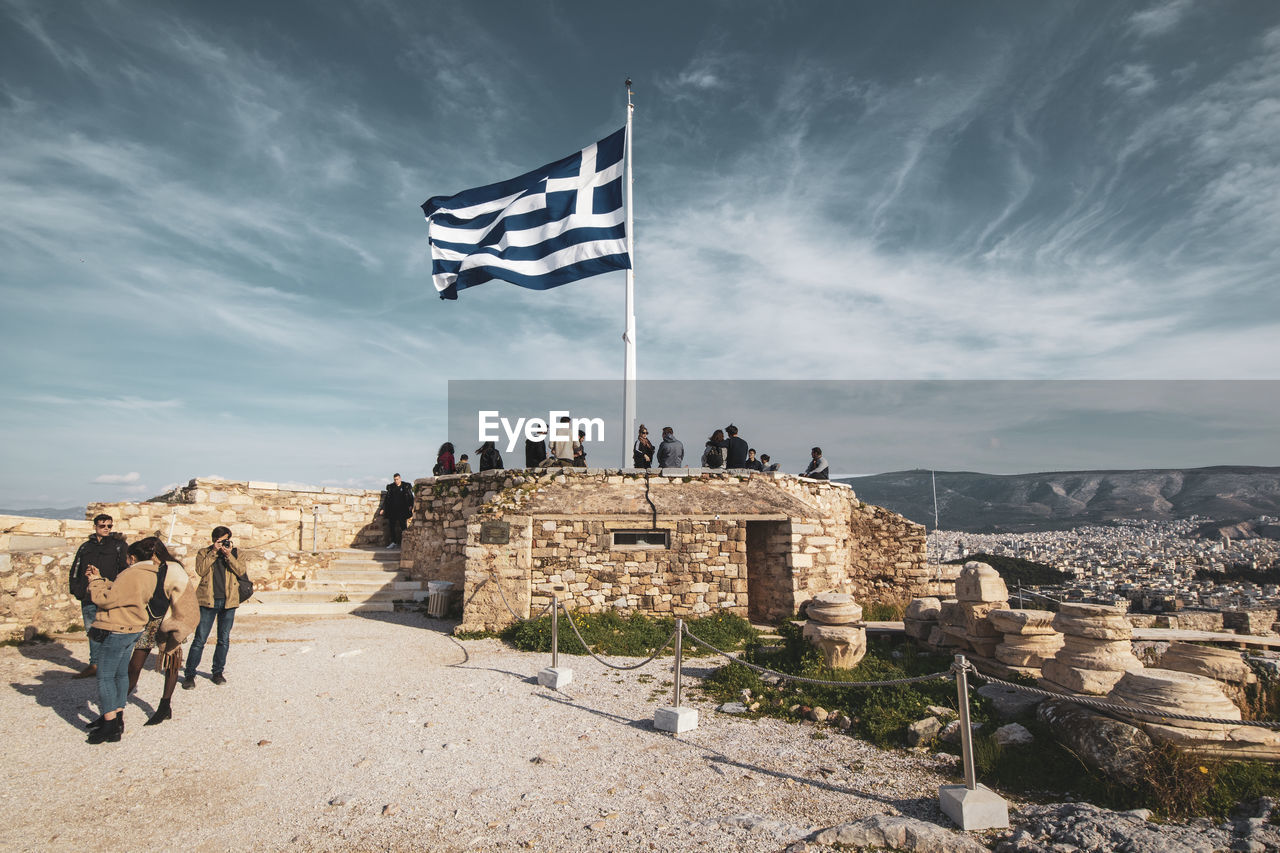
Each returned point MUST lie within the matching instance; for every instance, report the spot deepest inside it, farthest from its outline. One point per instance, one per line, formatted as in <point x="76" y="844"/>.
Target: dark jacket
<point x="108" y="555"/>
<point x="753" y="465"/>
<point x="490" y="459"/>
<point x="642" y="453"/>
<point x="397" y="501"/>
<point x="534" y="452"/>
<point x="737" y="447"/>
<point x="671" y="453"/>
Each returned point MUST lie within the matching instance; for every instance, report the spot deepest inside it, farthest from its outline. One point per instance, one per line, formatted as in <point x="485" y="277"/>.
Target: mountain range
<point x="977" y="503"/>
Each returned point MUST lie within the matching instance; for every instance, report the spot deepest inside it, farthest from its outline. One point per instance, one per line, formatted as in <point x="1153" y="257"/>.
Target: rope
<point x="507" y="604"/>
<point x="602" y="660"/>
<point x="1121" y="709"/>
<point x="890" y="683"/>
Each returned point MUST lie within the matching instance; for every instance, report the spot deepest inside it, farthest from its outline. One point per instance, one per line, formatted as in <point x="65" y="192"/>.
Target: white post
<point x="555" y="676"/>
<point x="629" y="334"/>
<point x="971" y="806"/>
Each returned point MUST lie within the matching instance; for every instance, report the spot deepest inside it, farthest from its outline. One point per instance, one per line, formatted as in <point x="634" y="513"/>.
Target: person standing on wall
<point x="735" y="449"/>
<point x="108" y="553"/>
<point x="218" y="595"/>
<point x="397" y="506"/>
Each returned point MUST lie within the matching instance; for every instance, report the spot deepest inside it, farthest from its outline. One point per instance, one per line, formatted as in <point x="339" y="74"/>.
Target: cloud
<point x="117" y="479"/>
<point x="1159" y="19"/>
<point x="1133" y="80"/>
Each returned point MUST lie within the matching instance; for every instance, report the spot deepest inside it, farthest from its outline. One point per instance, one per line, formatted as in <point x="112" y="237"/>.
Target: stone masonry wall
<point x="273" y="526"/>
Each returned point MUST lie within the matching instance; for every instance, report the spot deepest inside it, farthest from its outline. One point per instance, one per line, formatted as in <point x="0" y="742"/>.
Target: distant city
<point x="1152" y="565"/>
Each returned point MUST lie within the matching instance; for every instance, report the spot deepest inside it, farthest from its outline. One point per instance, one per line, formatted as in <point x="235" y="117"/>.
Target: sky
<point x="215" y="262"/>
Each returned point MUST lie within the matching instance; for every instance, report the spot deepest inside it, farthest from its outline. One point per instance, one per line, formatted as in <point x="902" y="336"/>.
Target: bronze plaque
<point x="495" y="533"/>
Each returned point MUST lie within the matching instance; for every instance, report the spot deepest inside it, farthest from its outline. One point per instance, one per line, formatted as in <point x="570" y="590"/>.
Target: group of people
<point x="136" y="597"/>
<point x="723" y="449"/>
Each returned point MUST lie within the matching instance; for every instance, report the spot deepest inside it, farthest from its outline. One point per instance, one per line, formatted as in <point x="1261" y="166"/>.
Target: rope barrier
<point x="602" y="660"/>
<point x="515" y="615"/>
<point x="890" y="683"/>
<point x="1123" y="709"/>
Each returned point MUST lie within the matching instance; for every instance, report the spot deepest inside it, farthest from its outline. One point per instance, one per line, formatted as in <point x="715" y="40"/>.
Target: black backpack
<point x="715" y="457"/>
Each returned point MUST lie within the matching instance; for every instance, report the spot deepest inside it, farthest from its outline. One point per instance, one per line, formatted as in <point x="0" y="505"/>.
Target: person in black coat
<point x="534" y="452"/>
<point x="490" y="459"/>
<point x="109" y="553"/>
<point x="397" y="506"/>
<point x="735" y="449"/>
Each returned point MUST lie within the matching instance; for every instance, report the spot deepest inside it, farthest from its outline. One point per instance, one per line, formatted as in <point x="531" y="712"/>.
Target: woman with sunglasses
<point x="642" y="451"/>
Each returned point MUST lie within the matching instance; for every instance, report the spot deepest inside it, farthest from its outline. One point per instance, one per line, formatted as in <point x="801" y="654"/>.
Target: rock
<point x="1082" y="827"/>
<point x="833" y="608"/>
<point x="818" y="715"/>
<point x="897" y="833"/>
<point x="264" y="743"/>
<point x="1113" y="747"/>
<point x="980" y="582"/>
<point x="917" y="629"/>
<point x="1177" y="692"/>
<point x="976" y="623"/>
<point x="1014" y="734"/>
<point x="1008" y="702"/>
<point x="549" y="758"/>
<point x="843" y="646"/>
<point x="1028" y="650"/>
<point x="1215" y="663"/>
<point x="942" y="713"/>
<point x="923" y="731"/>
<point x="1024" y="623"/>
<point x="1070" y="679"/>
<point x="923" y="610"/>
<point x="951" y="731"/>
<point x="389" y="809"/>
<point x="732" y="708"/>
<point x="1109" y="627"/>
<point x="339" y="800"/>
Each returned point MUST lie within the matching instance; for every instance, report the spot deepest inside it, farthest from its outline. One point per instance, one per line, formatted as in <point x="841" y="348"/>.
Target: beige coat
<point x="122" y="603"/>
<point x="206" y="559"/>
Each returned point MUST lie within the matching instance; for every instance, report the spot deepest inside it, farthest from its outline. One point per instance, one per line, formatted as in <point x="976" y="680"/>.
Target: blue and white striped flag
<point x="543" y="229"/>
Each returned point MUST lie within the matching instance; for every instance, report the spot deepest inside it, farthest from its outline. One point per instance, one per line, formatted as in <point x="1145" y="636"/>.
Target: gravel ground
<point x="386" y="733"/>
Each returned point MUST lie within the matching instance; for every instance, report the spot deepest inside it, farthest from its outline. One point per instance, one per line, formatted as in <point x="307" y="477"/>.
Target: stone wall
<point x="274" y="528"/>
<point x="806" y="537"/>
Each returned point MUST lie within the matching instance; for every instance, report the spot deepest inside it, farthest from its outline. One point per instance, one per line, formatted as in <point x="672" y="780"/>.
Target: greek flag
<point x="543" y="229"/>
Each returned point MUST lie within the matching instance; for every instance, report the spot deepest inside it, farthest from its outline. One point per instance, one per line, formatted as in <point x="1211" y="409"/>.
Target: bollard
<point x="674" y="718"/>
<point x="555" y="676"/>
<point x="971" y="806"/>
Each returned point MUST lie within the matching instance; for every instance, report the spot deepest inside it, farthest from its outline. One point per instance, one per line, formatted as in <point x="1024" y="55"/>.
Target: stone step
<point x="353" y="563"/>
<point x="371" y="575"/>
<point x="360" y="584"/>
<point x="329" y="608"/>
<point x="286" y="596"/>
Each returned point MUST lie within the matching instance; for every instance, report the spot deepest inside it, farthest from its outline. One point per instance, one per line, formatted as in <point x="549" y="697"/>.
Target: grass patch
<point x="637" y="635"/>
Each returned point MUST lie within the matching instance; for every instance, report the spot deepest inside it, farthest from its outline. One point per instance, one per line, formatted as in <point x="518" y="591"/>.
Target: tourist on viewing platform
<point x="642" y="450"/>
<point x="752" y="463"/>
<point x="218" y="596"/>
<point x="736" y="449"/>
<point x="580" y="450"/>
<point x="561" y="453"/>
<point x="172" y="614"/>
<point x="464" y="465"/>
<point x="767" y="466"/>
<point x="713" y="455"/>
<point x="106" y="552"/>
<point x="397" y="506"/>
<point x="670" y="450"/>
<point x="122" y="615"/>
<point x="534" y="452"/>
<point x="444" y="460"/>
<point x="817" y="469"/>
<point x="490" y="458"/>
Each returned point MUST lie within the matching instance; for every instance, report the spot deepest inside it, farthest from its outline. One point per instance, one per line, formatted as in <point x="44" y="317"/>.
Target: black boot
<point x="163" y="712"/>
<point x="96" y="724"/>
<point x="109" y="732"/>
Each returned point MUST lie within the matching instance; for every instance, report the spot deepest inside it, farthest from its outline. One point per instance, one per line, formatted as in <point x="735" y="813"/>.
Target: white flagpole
<point x="629" y="334"/>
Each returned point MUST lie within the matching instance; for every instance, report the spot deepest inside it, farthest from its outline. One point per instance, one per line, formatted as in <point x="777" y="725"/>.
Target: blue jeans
<point x="90" y="612"/>
<point x="113" y="670"/>
<point x="226" y="616"/>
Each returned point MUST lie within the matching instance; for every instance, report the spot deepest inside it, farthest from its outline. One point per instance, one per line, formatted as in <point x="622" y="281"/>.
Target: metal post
<point x="679" y="658"/>
<point x="555" y="630"/>
<point x="1021" y="603"/>
<point x="315" y="528"/>
<point x="961" y="668"/>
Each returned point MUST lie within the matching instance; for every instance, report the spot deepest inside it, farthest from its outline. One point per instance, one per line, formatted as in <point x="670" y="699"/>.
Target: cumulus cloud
<point x="117" y="479"/>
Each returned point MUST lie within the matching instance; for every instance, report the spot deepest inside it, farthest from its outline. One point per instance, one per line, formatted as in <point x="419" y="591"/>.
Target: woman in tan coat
<point x="171" y="622"/>
<point x="122" y="615"/>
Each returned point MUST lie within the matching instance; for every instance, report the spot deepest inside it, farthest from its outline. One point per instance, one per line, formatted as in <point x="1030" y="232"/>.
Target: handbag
<point x="246" y="587"/>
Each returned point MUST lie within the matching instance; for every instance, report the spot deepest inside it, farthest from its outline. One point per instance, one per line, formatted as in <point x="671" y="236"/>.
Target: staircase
<point x="361" y="580"/>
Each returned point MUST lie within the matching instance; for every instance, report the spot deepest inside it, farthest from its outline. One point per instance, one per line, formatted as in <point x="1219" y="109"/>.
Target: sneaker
<point x="218" y="679"/>
<point x="189" y="682"/>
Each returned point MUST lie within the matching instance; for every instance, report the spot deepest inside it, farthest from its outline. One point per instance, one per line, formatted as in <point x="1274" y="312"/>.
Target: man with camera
<point x="218" y="596"/>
